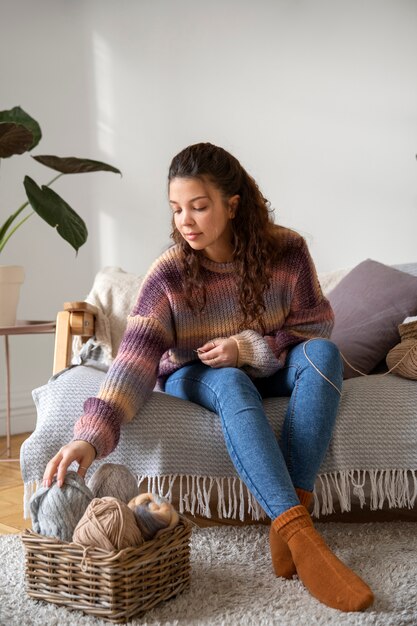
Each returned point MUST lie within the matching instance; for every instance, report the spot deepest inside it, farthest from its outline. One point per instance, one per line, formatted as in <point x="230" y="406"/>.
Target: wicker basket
<point x="112" y="585"/>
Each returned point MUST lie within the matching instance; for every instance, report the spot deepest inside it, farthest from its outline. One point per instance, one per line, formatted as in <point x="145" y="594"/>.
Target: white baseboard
<point x="22" y="414"/>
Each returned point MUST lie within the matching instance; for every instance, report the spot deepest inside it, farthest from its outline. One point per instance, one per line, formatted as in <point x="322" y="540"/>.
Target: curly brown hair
<point x="254" y="232"/>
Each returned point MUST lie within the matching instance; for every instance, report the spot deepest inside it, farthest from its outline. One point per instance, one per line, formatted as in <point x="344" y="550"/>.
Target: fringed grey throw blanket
<point x="173" y="444"/>
<point x="176" y="441"/>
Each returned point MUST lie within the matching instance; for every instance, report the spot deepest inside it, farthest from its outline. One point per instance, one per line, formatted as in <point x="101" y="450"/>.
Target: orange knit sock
<point x="282" y="560"/>
<point x="324" y="575"/>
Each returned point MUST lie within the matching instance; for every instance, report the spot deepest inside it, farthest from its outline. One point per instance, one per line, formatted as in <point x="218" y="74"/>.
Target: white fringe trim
<point x="397" y="487"/>
<point x="29" y="490"/>
<point x="370" y="487"/>
<point x="194" y="492"/>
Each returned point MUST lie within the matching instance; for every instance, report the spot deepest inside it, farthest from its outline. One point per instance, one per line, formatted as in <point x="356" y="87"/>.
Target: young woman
<point x="229" y="315"/>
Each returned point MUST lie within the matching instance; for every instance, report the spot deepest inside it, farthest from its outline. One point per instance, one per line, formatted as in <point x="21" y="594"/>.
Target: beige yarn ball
<point x="402" y="359"/>
<point x="108" y="523"/>
<point x="115" y="480"/>
<point x="153" y="514"/>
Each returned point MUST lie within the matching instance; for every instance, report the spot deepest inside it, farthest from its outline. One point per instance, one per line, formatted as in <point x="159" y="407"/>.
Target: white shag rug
<point x="233" y="585"/>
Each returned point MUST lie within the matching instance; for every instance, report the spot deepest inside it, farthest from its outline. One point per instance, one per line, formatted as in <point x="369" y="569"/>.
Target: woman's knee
<point x="234" y="385"/>
<point x="325" y="355"/>
<point x="218" y="387"/>
<point x="324" y="347"/>
<point x="234" y="378"/>
<point x="233" y="375"/>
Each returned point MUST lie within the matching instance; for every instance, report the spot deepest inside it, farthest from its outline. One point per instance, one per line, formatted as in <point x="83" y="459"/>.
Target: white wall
<point x="317" y="98"/>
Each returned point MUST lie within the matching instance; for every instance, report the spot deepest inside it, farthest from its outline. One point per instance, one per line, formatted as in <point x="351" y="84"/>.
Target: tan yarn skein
<point x="402" y="359"/>
<point x="153" y="514"/>
<point x="109" y="524"/>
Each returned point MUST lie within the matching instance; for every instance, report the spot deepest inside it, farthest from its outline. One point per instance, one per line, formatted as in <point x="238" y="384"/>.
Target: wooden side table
<point x="22" y="327"/>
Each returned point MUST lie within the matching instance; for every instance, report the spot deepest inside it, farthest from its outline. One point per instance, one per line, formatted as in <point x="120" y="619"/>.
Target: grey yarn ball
<point x="113" y="480"/>
<point x="55" y="511"/>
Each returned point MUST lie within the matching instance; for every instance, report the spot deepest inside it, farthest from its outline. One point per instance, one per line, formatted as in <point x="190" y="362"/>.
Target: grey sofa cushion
<point x="369" y="303"/>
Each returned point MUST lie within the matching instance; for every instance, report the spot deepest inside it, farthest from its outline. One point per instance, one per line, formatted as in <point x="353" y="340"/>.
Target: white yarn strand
<point x="317" y="369"/>
<point x="351" y="366"/>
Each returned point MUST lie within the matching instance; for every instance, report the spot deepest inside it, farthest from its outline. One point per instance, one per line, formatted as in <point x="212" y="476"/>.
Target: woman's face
<point x="203" y="217"/>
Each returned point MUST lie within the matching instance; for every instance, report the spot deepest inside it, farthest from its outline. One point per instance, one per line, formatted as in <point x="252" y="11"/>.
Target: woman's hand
<point x="219" y="353"/>
<point x="81" y="451"/>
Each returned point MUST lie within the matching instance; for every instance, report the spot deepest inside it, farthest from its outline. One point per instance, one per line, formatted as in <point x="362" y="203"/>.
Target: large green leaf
<point x="18" y="132"/>
<point x="57" y="213"/>
<point x="73" y="165"/>
<point x="14" y="139"/>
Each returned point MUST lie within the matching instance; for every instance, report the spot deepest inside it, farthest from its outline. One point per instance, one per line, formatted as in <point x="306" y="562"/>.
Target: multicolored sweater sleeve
<point x="309" y="315"/>
<point x="134" y="371"/>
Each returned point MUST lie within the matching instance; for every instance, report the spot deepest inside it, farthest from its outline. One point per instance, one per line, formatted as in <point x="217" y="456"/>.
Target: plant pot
<point x="11" y="277"/>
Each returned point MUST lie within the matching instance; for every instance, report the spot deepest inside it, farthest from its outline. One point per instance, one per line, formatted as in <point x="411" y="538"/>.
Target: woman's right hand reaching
<point x="81" y="451"/>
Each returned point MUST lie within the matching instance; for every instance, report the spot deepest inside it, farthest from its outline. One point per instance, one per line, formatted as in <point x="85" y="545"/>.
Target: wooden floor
<point x="11" y="489"/>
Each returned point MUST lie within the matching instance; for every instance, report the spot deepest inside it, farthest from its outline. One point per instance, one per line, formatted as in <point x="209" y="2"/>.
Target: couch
<point x="176" y="448"/>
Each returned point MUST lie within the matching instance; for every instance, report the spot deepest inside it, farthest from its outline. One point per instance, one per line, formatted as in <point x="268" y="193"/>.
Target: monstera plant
<point x="20" y="133"/>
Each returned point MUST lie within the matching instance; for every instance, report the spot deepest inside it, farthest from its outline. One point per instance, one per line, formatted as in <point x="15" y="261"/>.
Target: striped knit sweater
<point x="162" y="333"/>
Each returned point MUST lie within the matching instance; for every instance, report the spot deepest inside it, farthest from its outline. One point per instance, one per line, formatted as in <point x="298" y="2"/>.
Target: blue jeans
<point x="272" y="470"/>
